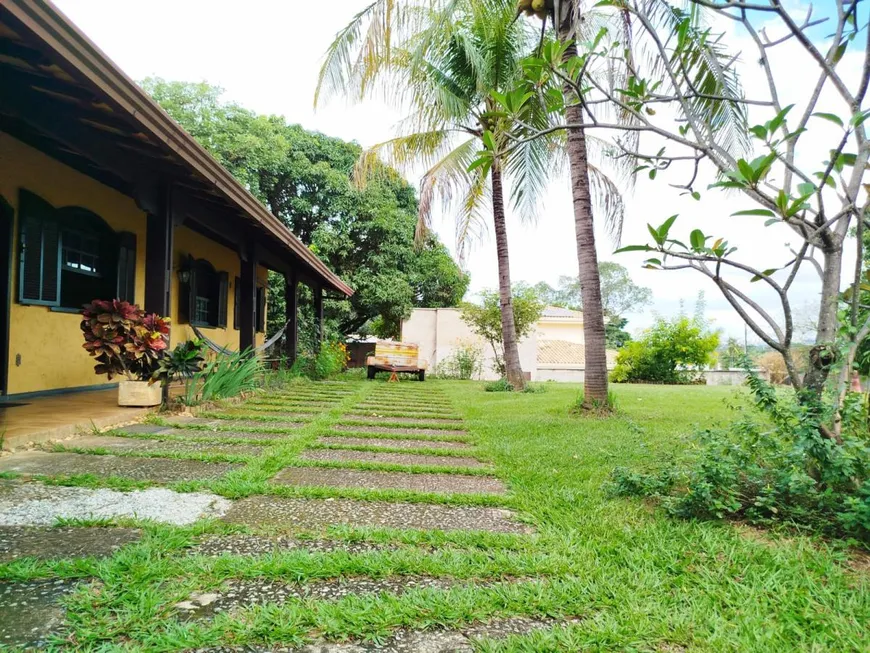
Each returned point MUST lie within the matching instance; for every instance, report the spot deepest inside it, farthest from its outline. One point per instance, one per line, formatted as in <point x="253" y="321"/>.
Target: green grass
<point x="635" y="579"/>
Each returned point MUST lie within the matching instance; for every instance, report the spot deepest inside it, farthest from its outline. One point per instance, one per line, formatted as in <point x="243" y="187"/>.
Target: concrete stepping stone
<point x="137" y="445"/>
<point x="35" y="504"/>
<point x="361" y="428"/>
<point x="282" y="512"/>
<point x="157" y="470"/>
<point x="234" y="422"/>
<point x="200" y="435"/>
<point x="387" y="457"/>
<point x="403" y="401"/>
<point x="236" y="594"/>
<point x="63" y="542"/>
<point x="392" y="443"/>
<point x="375" y="418"/>
<point x="32" y="611"/>
<point x="461" y="640"/>
<point x="403" y="413"/>
<point x="259" y="545"/>
<point x="373" y="480"/>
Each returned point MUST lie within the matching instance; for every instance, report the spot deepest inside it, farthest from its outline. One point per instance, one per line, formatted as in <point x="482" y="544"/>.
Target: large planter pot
<point x="139" y="394"/>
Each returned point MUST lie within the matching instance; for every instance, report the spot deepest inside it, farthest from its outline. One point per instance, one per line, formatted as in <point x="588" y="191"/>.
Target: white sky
<point x="266" y="54"/>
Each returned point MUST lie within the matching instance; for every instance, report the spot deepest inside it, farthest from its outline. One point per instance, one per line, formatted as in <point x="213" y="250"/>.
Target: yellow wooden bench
<point x="395" y="358"/>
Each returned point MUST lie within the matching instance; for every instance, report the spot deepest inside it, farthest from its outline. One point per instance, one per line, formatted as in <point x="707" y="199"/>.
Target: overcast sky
<point x="266" y="55"/>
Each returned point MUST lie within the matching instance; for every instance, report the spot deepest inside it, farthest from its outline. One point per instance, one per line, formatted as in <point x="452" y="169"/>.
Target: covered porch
<point x="87" y="138"/>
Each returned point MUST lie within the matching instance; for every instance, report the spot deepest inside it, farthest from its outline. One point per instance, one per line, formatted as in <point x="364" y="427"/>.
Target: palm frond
<point x="607" y="198"/>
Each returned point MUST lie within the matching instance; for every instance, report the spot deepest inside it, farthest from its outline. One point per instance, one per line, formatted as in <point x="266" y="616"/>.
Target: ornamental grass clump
<point x="123" y="339"/>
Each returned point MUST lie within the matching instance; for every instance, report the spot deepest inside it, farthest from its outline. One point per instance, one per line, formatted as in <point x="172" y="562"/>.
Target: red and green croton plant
<point x="123" y="339"/>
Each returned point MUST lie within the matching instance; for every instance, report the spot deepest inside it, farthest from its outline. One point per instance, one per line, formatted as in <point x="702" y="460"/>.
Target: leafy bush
<point x="774" y="463"/>
<point x="225" y="376"/>
<point x="328" y="362"/>
<point x="465" y="363"/>
<point x="123" y="339"/>
<point x="183" y="362"/>
<point x="502" y="385"/>
<point x="671" y="351"/>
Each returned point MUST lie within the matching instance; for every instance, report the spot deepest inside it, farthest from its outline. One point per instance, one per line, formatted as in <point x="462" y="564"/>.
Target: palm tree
<point x="445" y="60"/>
<point x="710" y="65"/>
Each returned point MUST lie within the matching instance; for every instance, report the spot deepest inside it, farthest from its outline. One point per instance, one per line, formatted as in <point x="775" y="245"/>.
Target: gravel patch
<point x="360" y="428"/>
<point x="260" y="545"/>
<point x="242" y="593"/>
<point x="372" y="480"/>
<point x="157" y="470"/>
<point x="34" y="504"/>
<point x="392" y="443"/>
<point x="320" y="513"/>
<point x="65" y="542"/>
<point x="143" y="445"/>
<point x="375" y="418"/>
<point x="341" y="455"/>
<point x="30" y="611"/>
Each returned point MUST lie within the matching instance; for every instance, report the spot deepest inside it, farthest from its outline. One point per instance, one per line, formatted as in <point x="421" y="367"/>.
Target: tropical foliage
<point x="225" y="376"/>
<point x="484" y="318"/>
<point x="671" y="351"/>
<point x="328" y="360"/>
<point x="771" y="463"/>
<point x="365" y="235"/>
<point x="123" y="339"/>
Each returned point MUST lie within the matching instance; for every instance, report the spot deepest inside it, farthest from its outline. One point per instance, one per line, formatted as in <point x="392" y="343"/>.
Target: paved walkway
<point x="327" y="455"/>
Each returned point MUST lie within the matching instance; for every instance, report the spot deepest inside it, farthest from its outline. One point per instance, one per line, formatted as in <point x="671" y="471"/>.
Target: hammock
<point x="223" y="351"/>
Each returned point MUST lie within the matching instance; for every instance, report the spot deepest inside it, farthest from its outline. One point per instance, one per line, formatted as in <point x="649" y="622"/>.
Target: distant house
<point x="554" y="351"/>
<point x="103" y="195"/>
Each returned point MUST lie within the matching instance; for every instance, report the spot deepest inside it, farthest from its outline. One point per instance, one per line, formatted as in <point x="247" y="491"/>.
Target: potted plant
<point x="126" y="341"/>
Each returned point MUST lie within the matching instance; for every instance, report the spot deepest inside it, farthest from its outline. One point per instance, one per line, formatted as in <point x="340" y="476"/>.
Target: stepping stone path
<point x="402" y="427"/>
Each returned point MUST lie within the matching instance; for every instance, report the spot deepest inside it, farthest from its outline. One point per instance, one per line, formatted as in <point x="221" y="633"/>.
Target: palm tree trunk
<point x="595" y="375"/>
<point x="512" y="366"/>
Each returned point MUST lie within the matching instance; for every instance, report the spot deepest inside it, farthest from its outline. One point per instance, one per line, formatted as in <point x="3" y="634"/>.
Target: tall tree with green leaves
<point x="365" y="235"/>
<point x="445" y="62"/>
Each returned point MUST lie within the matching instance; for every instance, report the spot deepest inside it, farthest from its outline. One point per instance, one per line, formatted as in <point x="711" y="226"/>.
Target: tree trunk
<point x="823" y="352"/>
<point x="508" y="327"/>
<point x="595" y="376"/>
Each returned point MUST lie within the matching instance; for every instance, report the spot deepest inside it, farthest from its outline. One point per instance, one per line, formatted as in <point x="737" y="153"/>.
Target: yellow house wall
<point x="49" y="343"/>
<point x="191" y="243"/>
<point x="45" y="346"/>
<point x="552" y="330"/>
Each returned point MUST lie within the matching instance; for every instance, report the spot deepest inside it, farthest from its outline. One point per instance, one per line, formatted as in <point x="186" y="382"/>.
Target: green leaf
<point x="655" y="234"/>
<point x="761" y="212"/>
<point x="653" y="261"/>
<point x="746" y="170"/>
<point x="759" y="131"/>
<point x="806" y="189"/>
<point x="697" y="239"/>
<point x="666" y="227"/>
<point x="488" y="140"/>
<point x="633" y="248"/>
<point x="859" y="118"/>
<point x="766" y="273"/>
<point x="830" y="117"/>
<point x="777" y="121"/>
<point x="696" y="195"/>
<point x="652" y="173"/>
<point x="767" y="223"/>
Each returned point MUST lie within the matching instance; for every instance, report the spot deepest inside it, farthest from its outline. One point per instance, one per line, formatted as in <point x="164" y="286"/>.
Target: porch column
<point x="159" y="232"/>
<point x="291" y="307"/>
<point x="318" y="317"/>
<point x="247" y="299"/>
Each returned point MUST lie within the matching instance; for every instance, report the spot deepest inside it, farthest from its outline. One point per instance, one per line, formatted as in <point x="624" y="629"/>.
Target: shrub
<point x="671" y="351"/>
<point x="329" y="361"/>
<point x="502" y="385"/>
<point x="123" y="339"/>
<point x="183" y="362"/>
<point x="465" y="363"/>
<point x="772" y="463"/>
<point x="225" y="376"/>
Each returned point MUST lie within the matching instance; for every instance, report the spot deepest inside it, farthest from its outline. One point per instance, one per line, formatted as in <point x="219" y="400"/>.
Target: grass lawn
<point x="631" y="578"/>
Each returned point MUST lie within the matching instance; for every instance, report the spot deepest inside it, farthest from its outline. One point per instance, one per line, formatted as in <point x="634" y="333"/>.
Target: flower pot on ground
<point x="125" y="341"/>
<point x="139" y="394"/>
